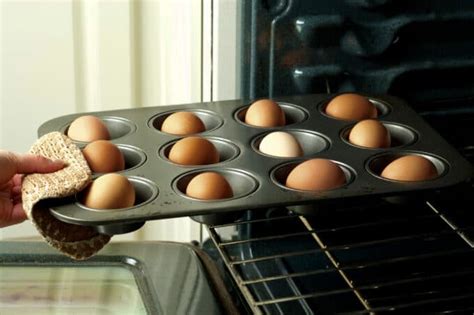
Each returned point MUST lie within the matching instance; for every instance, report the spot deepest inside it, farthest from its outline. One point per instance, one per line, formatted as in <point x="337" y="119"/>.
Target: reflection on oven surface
<point x="125" y="278"/>
<point x="69" y="290"/>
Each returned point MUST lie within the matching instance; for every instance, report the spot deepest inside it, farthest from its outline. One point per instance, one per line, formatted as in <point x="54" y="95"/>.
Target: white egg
<point x="281" y="144"/>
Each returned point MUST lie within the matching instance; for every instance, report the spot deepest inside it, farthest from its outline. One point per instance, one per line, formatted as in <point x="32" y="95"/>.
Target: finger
<point x="17" y="215"/>
<point x="16" y="200"/>
<point x="16" y="190"/>
<point x="16" y="193"/>
<point x="6" y="189"/>
<point x="27" y="164"/>
<point x="6" y="186"/>
<point x="7" y="166"/>
<point x="17" y="179"/>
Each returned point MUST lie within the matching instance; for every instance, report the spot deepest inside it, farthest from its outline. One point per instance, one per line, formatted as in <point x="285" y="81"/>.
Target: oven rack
<point x="367" y="259"/>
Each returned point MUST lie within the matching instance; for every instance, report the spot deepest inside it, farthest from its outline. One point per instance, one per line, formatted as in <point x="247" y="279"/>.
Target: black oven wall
<point x="421" y="51"/>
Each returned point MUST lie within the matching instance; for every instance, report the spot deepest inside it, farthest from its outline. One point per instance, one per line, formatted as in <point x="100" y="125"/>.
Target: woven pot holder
<point x="76" y="241"/>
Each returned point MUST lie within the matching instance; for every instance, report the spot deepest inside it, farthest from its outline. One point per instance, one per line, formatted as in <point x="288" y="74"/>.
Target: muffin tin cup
<point x="242" y="185"/>
<point x="260" y="176"/>
<point x="218" y="218"/>
<point x="293" y="114"/>
<point x="280" y="173"/>
<point x="227" y="150"/>
<point x="400" y="136"/>
<point x="383" y="108"/>
<point x="377" y="163"/>
<point x="407" y="199"/>
<point x="211" y="120"/>
<point x="316" y="209"/>
<point x="133" y="156"/>
<point x="145" y="192"/>
<point x="311" y="143"/>
<point x="118" y="127"/>
<point x="113" y="229"/>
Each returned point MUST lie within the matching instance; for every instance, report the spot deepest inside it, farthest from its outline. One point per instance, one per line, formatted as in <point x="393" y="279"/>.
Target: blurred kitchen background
<point x="63" y="56"/>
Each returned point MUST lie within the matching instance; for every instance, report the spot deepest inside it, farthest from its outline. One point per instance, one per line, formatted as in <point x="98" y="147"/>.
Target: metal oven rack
<point x="415" y="257"/>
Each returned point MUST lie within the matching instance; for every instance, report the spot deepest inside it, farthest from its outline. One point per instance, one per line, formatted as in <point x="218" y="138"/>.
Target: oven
<point x="126" y="278"/>
<point x="405" y="256"/>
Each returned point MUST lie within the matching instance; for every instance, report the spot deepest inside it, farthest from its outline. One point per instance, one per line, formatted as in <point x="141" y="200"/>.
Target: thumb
<point x="28" y="163"/>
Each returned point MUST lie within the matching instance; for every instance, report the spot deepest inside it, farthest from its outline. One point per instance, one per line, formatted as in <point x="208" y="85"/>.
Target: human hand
<point x="12" y="166"/>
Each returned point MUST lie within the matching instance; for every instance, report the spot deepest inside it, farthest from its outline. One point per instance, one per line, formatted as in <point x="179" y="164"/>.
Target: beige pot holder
<point x="76" y="241"/>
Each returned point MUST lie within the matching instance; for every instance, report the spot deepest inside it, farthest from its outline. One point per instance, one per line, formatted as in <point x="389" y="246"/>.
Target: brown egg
<point x="209" y="186"/>
<point x="265" y="113"/>
<point x="370" y="133"/>
<point x="104" y="157"/>
<point x="410" y="168"/>
<point x="316" y="174"/>
<point x="194" y="151"/>
<point x="88" y="128"/>
<point x="182" y="123"/>
<point x="110" y="191"/>
<point x="351" y="106"/>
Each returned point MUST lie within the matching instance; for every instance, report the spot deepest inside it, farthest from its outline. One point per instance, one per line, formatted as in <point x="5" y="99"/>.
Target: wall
<point x="61" y="57"/>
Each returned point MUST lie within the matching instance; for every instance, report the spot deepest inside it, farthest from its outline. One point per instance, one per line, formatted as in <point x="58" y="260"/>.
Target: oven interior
<point x="410" y="256"/>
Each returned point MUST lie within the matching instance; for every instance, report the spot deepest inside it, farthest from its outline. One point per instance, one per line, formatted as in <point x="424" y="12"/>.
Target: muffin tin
<point x="257" y="179"/>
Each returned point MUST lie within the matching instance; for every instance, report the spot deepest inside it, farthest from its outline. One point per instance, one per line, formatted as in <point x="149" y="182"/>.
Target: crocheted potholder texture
<point x="76" y="241"/>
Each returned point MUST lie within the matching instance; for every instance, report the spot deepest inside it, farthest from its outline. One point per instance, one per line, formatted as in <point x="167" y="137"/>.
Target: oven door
<point x="126" y="278"/>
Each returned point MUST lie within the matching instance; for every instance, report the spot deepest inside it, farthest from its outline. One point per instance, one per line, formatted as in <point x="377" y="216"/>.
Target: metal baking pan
<point x="257" y="179"/>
